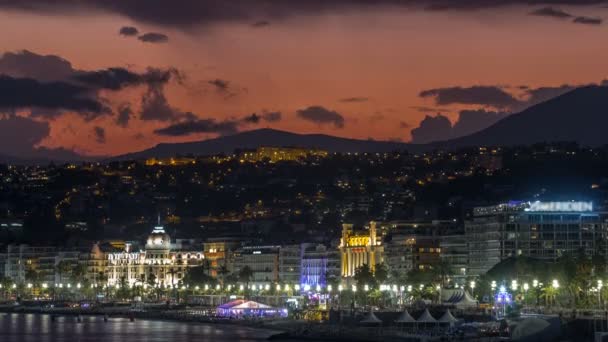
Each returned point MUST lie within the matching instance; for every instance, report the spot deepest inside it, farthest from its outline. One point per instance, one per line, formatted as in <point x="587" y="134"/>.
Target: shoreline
<point x="278" y="330"/>
<point x="169" y="316"/>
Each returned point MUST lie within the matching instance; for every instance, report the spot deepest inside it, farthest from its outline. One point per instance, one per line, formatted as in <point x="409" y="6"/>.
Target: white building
<point x="161" y="263"/>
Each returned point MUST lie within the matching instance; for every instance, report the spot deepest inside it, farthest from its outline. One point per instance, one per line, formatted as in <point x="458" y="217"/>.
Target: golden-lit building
<point x="219" y="254"/>
<point x="358" y="249"/>
<point x="173" y="161"/>
<point x="277" y="154"/>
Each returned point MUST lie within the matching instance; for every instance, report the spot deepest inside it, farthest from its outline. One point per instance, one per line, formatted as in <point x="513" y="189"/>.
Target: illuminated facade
<point x="277" y="154"/>
<point x="358" y="249"/>
<point x="160" y="264"/>
<point x="541" y="230"/>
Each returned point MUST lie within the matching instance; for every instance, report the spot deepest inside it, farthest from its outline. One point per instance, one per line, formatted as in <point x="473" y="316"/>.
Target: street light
<point x="555" y="284"/>
<point x="535" y="283"/>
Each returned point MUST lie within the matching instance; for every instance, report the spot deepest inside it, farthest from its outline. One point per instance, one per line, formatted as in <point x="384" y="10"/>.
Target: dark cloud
<point x="19" y="135"/>
<point x="542" y="94"/>
<point x="252" y="119"/>
<point x="423" y="109"/>
<point x="78" y="90"/>
<point x="100" y="134"/>
<point x="154" y="106"/>
<point x="492" y="96"/>
<point x="22" y="93"/>
<point x="128" y="31"/>
<point x="220" y="85"/>
<point x="403" y="124"/>
<point x="255" y="118"/>
<point x="27" y="64"/>
<point x="118" y="78"/>
<point x="262" y="23"/>
<point x="354" y="99"/>
<point x="190" y="13"/>
<point x="551" y="12"/>
<point x="125" y="114"/>
<point x="471" y="121"/>
<point x="432" y="128"/>
<point x="199" y="126"/>
<point x="321" y="116"/>
<point x="588" y="20"/>
<point x="153" y="37"/>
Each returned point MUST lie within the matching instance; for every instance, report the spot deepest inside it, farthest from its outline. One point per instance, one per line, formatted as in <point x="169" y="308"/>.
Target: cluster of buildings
<point x="487" y="236"/>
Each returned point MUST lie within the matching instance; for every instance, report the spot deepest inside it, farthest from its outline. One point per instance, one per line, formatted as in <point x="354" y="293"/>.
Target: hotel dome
<point x="158" y="239"/>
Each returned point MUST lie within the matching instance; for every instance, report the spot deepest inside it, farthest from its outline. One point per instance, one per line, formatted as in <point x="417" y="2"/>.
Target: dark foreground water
<point x="40" y="328"/>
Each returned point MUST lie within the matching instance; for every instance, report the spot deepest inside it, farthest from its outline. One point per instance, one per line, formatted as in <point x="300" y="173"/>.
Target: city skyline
<point x="336" y="68"/>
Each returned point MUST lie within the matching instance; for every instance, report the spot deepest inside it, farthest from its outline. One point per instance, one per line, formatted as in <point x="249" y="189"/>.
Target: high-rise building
<point x="262" y="260"/>
<point x="541" y="230"/>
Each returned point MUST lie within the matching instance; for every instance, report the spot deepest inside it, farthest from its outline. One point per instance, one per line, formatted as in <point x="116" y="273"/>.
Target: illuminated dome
<point x="158" y="239"/>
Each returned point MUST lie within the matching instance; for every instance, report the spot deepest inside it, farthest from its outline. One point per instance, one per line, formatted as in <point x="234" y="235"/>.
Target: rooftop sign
<point x="560" y="206"/>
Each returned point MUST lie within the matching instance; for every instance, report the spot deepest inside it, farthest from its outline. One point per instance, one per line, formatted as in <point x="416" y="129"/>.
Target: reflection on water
<point x="40" y="328"/>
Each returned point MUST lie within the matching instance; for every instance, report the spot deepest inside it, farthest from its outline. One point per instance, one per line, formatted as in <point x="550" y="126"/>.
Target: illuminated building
<point x="358" y="249"/>
<point x="277" y="154"/>
<point x="161" y="263"/>
<point x="541" y="230"/>
<point x="19" y="260"/>
<point x="319" y="263"/>
<point x="219" y="253"/>
<point x="415" y="244"/>
<point x="262" y="260"/>
<point x="174" y="161"/>
<point x="290" y="260"/>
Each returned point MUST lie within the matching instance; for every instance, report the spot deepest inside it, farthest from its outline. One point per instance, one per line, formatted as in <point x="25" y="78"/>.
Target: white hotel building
<point x="161" y="262"/>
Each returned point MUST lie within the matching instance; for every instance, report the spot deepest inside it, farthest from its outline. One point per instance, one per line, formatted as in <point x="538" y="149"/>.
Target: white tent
<point x="251" y="305"/>
<point x="460" y="298"/>
<point x="371" y="319"/>
<point x="405" y="317"/>
<point x="426" y="317"/>
<point x="447" y="318"/>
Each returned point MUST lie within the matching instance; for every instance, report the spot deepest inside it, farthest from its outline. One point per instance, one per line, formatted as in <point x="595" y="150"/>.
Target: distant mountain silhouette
<point x="580" y="115"/>
<point x="265" y="137"/>
<point x="577" y="116"/>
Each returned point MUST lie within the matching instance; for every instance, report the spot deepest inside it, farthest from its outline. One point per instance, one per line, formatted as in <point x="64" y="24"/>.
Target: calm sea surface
<point x="40" y="328"/>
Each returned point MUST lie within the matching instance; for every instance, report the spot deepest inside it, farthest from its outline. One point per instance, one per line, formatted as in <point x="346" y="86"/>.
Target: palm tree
<point x="245" y="275"/>
<point x="222" y="272"/>
<point x="549" y="293"/>
<point x="63" y="268"/>
<point x="443" y="269"/>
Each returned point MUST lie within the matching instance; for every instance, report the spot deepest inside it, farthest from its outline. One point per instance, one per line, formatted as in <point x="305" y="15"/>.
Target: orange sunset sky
<point x="383" y="56"/>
